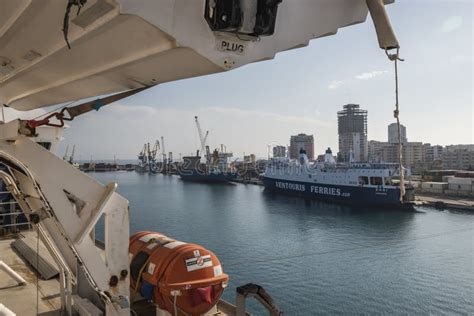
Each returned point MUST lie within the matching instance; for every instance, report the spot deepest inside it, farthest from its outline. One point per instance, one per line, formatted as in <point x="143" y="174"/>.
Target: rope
<point x="37" y="273"/>
<point x="396" y="113"/>
<point x="174" y="305"/>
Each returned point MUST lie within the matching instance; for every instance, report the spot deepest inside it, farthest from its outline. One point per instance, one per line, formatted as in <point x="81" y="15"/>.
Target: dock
<point x="445" y="202"/>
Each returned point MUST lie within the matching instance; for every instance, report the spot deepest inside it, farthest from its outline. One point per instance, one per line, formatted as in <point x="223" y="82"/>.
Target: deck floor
<point x="28" y="299"/>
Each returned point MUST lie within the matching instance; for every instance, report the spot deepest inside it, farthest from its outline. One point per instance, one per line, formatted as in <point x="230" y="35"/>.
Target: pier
<point x="445" y="202"/>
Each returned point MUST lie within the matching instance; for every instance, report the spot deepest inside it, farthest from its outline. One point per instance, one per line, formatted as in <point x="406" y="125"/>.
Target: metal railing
<point x="10" y="209"/>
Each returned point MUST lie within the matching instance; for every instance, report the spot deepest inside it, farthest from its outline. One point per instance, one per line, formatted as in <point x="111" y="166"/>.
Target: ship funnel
<point x="328" y="157"/>
<point x="303" y="157"/>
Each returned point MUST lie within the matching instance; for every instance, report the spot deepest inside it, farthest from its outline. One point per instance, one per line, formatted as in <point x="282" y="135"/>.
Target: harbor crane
<point x="203" y="139"/>
<point x="66" y="153"/>
<point x="71" y="158"/>
<point x="120" y="48"/>
<point x="152" y="153"/>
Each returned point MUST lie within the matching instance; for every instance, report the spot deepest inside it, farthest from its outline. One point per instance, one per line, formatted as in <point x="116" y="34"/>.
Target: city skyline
<point x="300" y="91"/>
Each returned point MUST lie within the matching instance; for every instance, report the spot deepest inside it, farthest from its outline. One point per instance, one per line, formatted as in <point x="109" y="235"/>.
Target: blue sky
<point x="301" y="91"/>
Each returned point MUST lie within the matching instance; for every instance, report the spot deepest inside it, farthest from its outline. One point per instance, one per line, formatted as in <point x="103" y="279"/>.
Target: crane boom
<point x="163" y="150"/>
<point x="202" y="138"/>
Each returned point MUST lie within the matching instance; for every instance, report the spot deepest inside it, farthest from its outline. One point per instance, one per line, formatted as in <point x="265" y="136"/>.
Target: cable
<point x="174" y="305"/>
<point x="37" y="272"/>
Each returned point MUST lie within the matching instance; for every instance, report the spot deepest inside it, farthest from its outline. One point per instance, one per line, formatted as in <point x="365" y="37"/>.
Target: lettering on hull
<point x="314" y="189"/>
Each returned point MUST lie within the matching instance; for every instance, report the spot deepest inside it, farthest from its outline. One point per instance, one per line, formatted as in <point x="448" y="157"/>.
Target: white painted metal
<point x="124" y="44"/>
<point x="15" y="276"/>
<point x="4" y="311"/>
<point x="69" y="203"/>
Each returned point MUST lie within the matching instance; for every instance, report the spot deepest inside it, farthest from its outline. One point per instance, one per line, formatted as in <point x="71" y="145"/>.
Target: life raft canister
<point x="173" y="273"/>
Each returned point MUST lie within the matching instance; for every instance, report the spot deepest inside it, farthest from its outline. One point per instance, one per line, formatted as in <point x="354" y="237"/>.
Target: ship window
<point x="376" y="181"/>
<point x="363" y="180"/>
<point x="387" y="181"/>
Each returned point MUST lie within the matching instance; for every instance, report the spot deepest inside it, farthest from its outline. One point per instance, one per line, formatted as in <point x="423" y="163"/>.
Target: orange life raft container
<point x="174" y="274"/>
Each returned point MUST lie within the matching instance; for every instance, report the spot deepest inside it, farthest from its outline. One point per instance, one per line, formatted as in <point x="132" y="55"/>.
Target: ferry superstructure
<point x="355" y="183"/>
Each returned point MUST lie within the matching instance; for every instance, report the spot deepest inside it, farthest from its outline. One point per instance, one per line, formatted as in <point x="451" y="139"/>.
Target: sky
<point x="300" y="91"/>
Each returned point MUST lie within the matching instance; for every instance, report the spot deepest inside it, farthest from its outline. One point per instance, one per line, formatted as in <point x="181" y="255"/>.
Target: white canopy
<point x="118" y="45"/>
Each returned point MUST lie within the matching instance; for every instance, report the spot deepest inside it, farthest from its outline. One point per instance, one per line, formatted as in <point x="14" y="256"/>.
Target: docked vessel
<point x="215" y="169"/>
<point x="357" y="183"/>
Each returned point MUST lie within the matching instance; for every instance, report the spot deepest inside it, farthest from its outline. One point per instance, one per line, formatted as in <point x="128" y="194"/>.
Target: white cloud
<point x="370" y="75"/>
<point x="335" y="84"/>
<point x="452" y="23"/>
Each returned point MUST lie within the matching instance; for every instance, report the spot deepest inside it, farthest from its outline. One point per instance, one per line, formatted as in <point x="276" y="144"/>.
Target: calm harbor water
<point x="315" y="257"/>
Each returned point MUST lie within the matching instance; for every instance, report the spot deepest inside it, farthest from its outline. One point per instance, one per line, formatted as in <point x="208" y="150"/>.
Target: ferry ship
<point x="355" y="183"/>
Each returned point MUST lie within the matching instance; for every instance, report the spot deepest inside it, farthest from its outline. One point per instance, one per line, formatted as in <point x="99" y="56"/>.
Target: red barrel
<point x="174" y="274"/>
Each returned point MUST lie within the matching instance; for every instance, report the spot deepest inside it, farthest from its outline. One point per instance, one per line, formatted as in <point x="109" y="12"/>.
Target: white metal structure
<point x="118" y="45"/>
<point x="202" y="138"/>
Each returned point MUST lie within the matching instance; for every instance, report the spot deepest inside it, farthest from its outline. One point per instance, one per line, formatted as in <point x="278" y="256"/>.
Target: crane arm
<point x="202" y="138"/>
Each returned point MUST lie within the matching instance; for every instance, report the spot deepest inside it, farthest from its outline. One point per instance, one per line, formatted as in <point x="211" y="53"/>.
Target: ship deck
<point x="42" y="297"/>
<point x="37" y="296"/>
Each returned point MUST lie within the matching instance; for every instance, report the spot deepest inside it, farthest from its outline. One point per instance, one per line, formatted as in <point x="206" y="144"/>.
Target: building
<point x="352" y="130"/>
<point x="279" y="151"/>
<point x="468" y="147"/>
<point x="432" y="153"/>
<point x="302" y="141"/>
<point x="412" y="152"/>
<point x="393" y="133"/>
<point x="250" y="158"/>
<point x="458" y="157"/>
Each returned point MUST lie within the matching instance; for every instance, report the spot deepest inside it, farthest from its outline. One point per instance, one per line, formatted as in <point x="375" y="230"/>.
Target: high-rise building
<point x="393" y="133"/>
<point x="302" y="141"/>
<point x="279" y="151"/>
<point x="460" y="157"/>
<point x="432" y="153"/>
<point x="352" y="130"/>
<point x="412" y="152"/>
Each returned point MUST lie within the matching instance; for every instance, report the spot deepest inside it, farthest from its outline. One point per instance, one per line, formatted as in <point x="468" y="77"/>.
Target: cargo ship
<point x="215" y="170"/>
<point x="354" y="183"/>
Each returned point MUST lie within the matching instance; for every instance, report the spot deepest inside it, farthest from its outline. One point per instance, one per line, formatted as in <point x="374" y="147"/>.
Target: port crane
<point x="203" y="140"/>
<point x="143" y="158"/>
<point x="111" y="46"/>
